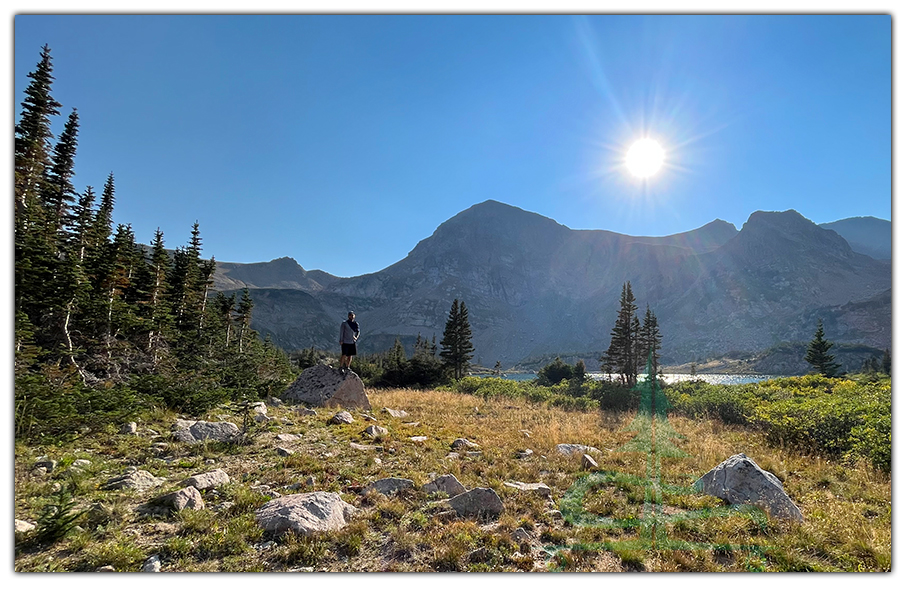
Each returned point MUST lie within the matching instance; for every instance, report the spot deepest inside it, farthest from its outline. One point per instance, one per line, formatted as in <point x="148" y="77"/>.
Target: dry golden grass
<point x="847" y="509"/>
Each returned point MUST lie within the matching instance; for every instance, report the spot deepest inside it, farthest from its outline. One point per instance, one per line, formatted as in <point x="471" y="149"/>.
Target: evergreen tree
<point x="456" y="344"/>
<point x="245" y="308"/>
<point x="622" y="356"/>
<point x="650" y="340"/>
<point x="817" y="353"/>
<point x="33" y="135"/>
<point x="579" y="375"/>
<point x="886" y="362"/>
<point x="58" y="193"/>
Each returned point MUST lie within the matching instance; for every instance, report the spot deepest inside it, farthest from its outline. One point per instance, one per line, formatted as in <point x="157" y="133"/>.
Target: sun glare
<point x="644" y="158"/>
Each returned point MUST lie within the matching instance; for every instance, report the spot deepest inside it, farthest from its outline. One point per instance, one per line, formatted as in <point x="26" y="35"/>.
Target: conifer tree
<point x="650" y="340"/>
<point x="160" y="316"/>
<point x="622" y="355"/>
<point x="57" y="192"/>
<point x="456" y="344"/>
<point x="244" y="311"/>
<point x="817" y="353"/>
<point x="33" y="135"/>
<point x="886" y="362"/>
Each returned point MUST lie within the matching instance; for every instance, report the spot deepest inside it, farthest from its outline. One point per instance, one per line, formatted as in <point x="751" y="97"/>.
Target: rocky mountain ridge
<point x="533" y="286"/>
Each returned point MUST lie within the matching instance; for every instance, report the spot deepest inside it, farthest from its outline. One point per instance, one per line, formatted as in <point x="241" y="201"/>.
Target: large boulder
<point x="198" y="431"/>
<point x="305" y="513"/>
<point x="322" y="385"/>
<point x="738" y="480"/>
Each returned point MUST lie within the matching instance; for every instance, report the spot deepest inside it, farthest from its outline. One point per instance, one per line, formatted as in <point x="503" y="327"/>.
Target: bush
<point x="555" y="372"/>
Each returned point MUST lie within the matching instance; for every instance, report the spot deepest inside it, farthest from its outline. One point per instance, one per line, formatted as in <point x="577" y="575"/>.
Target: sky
<point x="344" y="140"/>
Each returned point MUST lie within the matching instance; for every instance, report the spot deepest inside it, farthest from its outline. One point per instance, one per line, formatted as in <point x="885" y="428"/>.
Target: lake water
<point x="717" y="379"/>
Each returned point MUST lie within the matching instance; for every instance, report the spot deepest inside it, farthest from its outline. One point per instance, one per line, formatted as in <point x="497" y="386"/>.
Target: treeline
<point x="104" y="325"/>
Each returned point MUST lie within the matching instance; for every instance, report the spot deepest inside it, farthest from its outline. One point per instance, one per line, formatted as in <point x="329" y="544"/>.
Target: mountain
<point x="535" y="287"/>
<point x="871" y="236"/>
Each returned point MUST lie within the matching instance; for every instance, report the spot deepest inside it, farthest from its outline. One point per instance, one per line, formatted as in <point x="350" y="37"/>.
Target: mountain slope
<point x="534" y="287"/>
<point x="868" y="235"/>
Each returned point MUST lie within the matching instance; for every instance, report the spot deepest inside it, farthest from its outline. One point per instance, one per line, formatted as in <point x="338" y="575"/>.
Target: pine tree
<point x="817" y="353"/>
<point x="58" y="193"/>
<point x="456" y="344"/>
<point x="650" y="340"/>
<point x="33" y="135"/>
<point x="622" y="355"/>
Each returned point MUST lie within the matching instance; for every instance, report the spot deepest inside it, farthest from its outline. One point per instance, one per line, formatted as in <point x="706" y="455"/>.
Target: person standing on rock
<point x="349" y="335"/>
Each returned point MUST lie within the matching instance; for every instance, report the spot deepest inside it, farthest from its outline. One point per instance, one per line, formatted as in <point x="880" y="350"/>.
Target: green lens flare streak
<point x="655" y="437"/>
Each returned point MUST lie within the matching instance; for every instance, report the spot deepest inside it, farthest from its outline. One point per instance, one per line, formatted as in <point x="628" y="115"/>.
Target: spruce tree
<point x="58" y="193"/>
<point x="456" y="344"/>
<point x="622" y="355"/>
<point x="817" y="353"/>
<point x="650" y="340"/>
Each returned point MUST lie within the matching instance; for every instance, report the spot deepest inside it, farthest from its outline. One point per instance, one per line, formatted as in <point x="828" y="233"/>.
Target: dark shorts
<point x="348" y="349"/>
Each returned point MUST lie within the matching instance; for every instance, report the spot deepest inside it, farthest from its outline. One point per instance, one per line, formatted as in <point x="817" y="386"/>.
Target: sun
<point x="644" y="158"/>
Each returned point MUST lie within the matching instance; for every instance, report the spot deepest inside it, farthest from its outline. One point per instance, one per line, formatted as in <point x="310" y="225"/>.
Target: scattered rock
<point x="341" y="418"/>
<point x="23" y="526"/>
<point x="463" y="443"/>
<point x="356" y="446"/>
<point x="305" y="513"/>
<point x="588" y="463"/>
<point x="540" y="487"/>
<point x="452" y="455"/>
<point x="222" y="431"/>
<point x="205" y="481"/>
<point x="79" y="465"/>
<point x="305" y="412"/>
<point x="186" y="498"/>
<point x="375" y="431"/>
<point x="524" y="454"/>
<point x="368" y="417"/>
<point x="128" y="428"/>
<point x="412" y="424"/>
<point x="106" y="568"/>
<point x="397" y="414"/>
<point x="134" y="478"/>
<point x="389" y="485"/>
<point x="152" y="564"/>
<point x="259" y="407"/>
<point x="740" y="481"/>
<point x="182" y="424"/>
<point x="418" y="438"/>
<point x="286" y="437"/>
<point x="45" y="462"/>
<point x="273" y="401"/>
<point x="284" y="451"/>
<point x="261" y="417"/>
<point x="322" y="385"/>
<point x="572" y="449"/>
<point x="445" y="483"/>
<point x="478" y="502"/>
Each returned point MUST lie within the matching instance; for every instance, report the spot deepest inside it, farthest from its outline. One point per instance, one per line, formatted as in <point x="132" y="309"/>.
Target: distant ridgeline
<point x="536" y="289"/>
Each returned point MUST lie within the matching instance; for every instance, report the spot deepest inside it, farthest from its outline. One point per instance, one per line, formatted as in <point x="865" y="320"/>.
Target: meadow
<point x="823" y="438"/>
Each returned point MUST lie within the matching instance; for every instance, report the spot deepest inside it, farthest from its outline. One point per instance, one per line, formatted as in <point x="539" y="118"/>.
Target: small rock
<point x="286" y="437"/>
<point x="463" y="443"/>
<point x="368" y="417"/>
<point x="152" y="564"/>
<point x="365" y="447"/>
<point x="588" y="463"/>
<point x="389" y="485"/>
<point x="261" y="417"/>
<point x="445" y="483"/>
<point x="134" y="478"/>
<point x="273" y="401"/>
<point x="106" y="568"/>
<point x="222" y="431"/>
<point x="375" y="431"/>
<point x="305" y="412"/>
<point x="572" y="449"/>
<point x="284" y="451"/>
<point x="525" y="433"/>
<point x="452" y="455"/>
<point x="47" y="463"/>
<point x="128" y="428"/>
<point x="23" y="526"/>
<point x="397" y="414"/>
<point x="478" y="502"/>
<point x="540" y="487"/>
<point x="80" y="464"/>
<point x="186" y="498"/>
<point x="520" y="535"/>
<point x="418" y="438"/>
<point x="211" y="479"/>
<point x="524" y="454"/>
<point x="341" y="418"/>
<point x="260" y="407"/>
<point x="182" y="424"/>
<point x="152" y="433"/>
<point x="412" y="424"/>
<point x="310" y="481"/>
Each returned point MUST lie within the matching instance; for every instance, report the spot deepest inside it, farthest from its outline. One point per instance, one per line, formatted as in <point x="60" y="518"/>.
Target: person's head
<point x="350" y="315"/>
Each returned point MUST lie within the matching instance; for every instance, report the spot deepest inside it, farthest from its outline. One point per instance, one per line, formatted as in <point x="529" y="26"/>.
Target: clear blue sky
<point x="342" y="141"/>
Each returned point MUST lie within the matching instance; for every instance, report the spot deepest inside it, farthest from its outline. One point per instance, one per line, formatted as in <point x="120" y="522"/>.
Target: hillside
<point x="868" y="235"/>
<point x="535" y="287"/>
